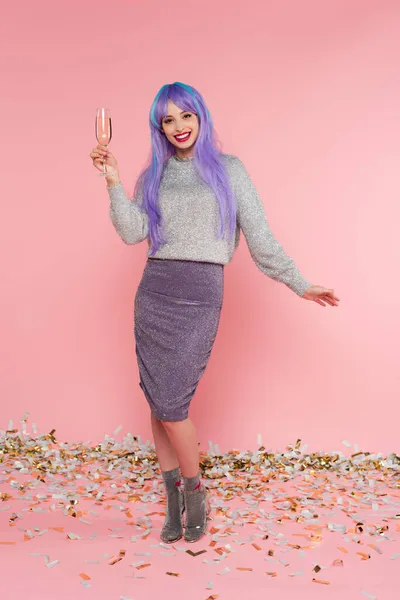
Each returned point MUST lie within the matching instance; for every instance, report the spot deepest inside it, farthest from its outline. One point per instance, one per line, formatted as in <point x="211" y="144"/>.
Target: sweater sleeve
<point x="130" y="222"/>
<point x="265" y="250"/>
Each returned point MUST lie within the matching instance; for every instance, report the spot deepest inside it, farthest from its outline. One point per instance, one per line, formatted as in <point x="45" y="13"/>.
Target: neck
<point x="182" y="154"/>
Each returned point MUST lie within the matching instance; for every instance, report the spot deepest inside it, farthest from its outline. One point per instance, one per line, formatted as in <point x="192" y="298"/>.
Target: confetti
<point x="338" y="563"/>
<point x="370" y="596"/>
<point x="323" y="495"/>
<point x="363" y="555"/>
<point x="195" y="553"/>
<point x="210" y="585"/>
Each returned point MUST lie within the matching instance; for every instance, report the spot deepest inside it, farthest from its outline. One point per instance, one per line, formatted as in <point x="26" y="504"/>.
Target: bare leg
<point x="166" y="454"/>
<point x="182" y="435"/>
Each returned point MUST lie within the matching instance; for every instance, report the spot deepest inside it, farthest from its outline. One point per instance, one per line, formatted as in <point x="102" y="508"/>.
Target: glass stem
<point x="104" y="166"/>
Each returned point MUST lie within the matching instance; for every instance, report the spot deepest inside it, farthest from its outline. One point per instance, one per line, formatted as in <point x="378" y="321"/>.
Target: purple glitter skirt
<point x="176" y="316"/>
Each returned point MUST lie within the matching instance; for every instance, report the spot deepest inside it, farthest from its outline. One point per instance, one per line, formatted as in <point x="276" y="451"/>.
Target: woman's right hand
<point x="101" y="153"/>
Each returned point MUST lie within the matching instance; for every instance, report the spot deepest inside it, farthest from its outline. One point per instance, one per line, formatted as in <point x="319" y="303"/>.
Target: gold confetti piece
<point x="271" y="573"/>
<point x="338" y="562"/>
<point x="363" y="555"/>
<point x="84" y="576"/>
<point x="378" y="550"/>
<point x="244" y="569"/>
<point x="213" y="543"/>
<point x="323" y="581"/>
<point x="271" y="552"/>
<point x="343" y="549"/>
<point x="174" y="575"/>
<point x="317" y="568"/>
<point x="7" y="543"/>
<point x="114" y="560"/>
<point x="213" y="597"/>
<point x="143" y="566"/>
<point x="195" y="553"/>
<point x="256" y="546"/>
<point x="213" y="530"/>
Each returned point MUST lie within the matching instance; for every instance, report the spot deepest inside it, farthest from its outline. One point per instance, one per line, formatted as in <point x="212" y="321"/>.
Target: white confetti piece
<point x="337" y="527"/>
<point x="210" y="585"/>
<point x="224" y="571"/>
<point x="370" y="596"/>
<point x="394" y="556"/>
<point x="346" y="443"/>
<point x="52" y="564"/>
<point x="138" y="563"/>
<point x="85" y="584"/>
<point x="117" y="430"/>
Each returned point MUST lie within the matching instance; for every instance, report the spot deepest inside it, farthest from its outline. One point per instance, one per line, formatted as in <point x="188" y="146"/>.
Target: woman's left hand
<point x="320" y="295"/>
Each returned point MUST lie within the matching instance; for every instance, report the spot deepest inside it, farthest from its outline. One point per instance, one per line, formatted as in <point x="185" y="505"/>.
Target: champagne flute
<point x="103" y="131"/>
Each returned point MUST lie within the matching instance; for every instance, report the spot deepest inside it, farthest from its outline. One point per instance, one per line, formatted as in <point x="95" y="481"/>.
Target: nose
<point x="180" y="126"/>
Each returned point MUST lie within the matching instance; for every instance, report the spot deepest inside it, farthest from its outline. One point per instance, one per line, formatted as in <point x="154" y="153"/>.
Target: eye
<point x="188" y="115"/>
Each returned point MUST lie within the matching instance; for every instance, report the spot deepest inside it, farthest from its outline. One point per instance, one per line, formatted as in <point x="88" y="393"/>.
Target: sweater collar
<point x="186" y="159"/>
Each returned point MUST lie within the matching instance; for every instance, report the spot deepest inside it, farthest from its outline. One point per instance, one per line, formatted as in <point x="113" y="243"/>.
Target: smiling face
<point x="176" y="124"/>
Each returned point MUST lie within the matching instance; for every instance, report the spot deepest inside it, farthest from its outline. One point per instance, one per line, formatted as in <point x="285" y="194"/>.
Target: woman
<point x="190" y="203"/>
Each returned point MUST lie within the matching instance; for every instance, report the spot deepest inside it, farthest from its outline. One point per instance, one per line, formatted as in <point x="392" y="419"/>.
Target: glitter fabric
<point x="176" y="317"/>
<point x="191" y="221"/>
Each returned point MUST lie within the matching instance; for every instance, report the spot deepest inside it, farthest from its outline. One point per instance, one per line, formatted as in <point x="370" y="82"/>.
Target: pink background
<point x="307" y="94"/>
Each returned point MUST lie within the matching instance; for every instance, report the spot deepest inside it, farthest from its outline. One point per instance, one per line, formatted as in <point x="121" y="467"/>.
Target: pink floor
<point x="79" y="522"/>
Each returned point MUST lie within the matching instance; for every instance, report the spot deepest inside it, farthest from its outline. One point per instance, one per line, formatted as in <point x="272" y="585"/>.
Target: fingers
<point x="98" y="152"/>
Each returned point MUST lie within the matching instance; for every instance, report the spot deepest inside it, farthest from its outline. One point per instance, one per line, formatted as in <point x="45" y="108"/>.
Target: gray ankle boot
<point x="198" y="509"/>
<point x="172" y="530"/>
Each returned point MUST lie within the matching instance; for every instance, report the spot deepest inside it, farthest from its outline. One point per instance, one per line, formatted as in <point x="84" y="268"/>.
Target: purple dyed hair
<point x="207" y="160"/>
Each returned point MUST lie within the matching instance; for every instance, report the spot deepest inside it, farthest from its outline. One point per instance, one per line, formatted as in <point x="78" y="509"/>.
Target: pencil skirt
<point x="176" y="316"/>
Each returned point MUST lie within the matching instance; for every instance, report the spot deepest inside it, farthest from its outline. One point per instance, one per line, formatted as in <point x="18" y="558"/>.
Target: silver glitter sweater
<point x="191" y="221"/>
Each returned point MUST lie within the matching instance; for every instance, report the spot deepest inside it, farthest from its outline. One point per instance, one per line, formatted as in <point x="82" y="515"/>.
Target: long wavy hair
<point x="207" y="160"/>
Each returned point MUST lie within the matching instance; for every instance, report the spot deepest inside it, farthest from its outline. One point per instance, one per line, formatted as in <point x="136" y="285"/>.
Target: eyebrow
<point x="181" y="113"/>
